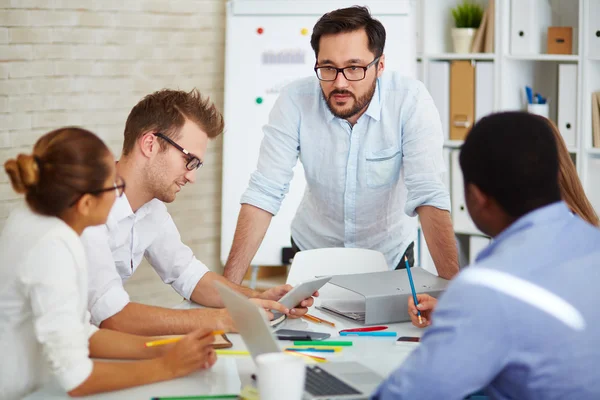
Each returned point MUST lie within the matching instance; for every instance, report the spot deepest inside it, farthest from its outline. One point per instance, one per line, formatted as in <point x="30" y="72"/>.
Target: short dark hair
<point x="349" y="20"/>
<point x="65" y="164"/>
<point x="512" y="157"/>
<point x="166" y="110"/>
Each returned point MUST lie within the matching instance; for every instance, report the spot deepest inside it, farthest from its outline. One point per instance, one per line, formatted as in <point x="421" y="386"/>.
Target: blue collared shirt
<point x="365" y="181"/>
<point x="522" y="323"/>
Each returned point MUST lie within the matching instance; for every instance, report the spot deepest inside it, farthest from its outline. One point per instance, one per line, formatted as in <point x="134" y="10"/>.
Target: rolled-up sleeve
<point x="422" y="148"/>
<point x="175" y="262"/>
<point x="106" y="294"/>
<point x="278" y="155"/>
<point x="60" y="325"/>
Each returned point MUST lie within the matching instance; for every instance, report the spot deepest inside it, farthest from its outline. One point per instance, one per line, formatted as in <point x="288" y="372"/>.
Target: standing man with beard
<point x="371" y="146"/>
<point x="166" y="135"/>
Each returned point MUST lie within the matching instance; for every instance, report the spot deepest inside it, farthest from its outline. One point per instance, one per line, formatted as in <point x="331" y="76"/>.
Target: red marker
<point x="367" y="329"/>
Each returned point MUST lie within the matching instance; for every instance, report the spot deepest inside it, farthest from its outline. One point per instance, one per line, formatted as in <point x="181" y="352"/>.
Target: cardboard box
<point x="560" y="40"/>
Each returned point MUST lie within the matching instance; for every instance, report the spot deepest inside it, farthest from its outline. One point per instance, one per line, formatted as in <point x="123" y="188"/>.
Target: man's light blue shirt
<point x="364" y="182"/>
<point x="522" y="323"/>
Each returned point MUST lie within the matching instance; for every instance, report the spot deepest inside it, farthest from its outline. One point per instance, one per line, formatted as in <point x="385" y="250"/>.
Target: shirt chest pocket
<point x="383" y="167"/>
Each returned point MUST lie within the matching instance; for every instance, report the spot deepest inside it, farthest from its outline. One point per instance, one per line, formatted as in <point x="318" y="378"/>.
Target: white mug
<point x="539" y="109"/>
<point x="280" y="376"/>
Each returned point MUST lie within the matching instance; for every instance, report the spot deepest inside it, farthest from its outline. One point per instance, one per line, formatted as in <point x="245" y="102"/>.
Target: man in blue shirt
<point x="370" y="143"/>
<point x="523" y="321"/>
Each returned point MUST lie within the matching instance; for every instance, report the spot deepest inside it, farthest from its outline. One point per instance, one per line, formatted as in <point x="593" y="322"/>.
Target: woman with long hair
<point x="69" y="184"/>
<point x="570" y="186"/>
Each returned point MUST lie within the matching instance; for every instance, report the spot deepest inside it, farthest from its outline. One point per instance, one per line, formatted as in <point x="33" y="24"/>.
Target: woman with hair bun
<point x="69" y="184"/>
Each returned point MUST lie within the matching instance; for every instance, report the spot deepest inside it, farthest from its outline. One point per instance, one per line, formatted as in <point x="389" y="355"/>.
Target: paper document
<point x="353" y="309"/>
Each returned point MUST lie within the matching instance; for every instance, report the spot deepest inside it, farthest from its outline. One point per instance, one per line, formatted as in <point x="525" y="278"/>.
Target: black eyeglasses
<point x="353" y="73"/>
<point x="118" y="187"/>
<point x="193" y="162"/>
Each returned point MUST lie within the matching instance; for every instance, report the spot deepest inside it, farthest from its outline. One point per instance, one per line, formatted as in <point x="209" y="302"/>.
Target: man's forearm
<point x="252" y="225"/>
<point x="142" y="319"/>
<point x="206" y="293"/>
<point x="439" y="235"/>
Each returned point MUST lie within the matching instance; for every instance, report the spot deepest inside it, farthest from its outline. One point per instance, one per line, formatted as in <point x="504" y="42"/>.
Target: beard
<point x="359" y="104"/>
<point x="159" y="185"/>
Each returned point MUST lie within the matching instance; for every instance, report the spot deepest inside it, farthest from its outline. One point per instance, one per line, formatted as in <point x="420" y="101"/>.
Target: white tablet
<point x="302" y="291"/>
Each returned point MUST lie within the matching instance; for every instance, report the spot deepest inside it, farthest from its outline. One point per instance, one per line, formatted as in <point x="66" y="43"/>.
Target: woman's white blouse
<point x="44" y="322"/>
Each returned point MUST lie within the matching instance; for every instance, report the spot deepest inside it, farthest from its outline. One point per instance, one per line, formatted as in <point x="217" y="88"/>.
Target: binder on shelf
<point x="478" y="44"/>
<point x="446" y="174"/>
<point x="490" y="27"/>
<point x="484" y="89"/>
<point x="438" y="83"/>
<point x="483" y="42"/>
<point x="596" y="119"/>
<point x="594" y="29"/>
<point x="476" y="244"/>
<point x="528" y="23"/>
<point x="593" y="189"/>
<point x="460" y="216"/>
<point x="385" y="295"/>
<point x="462" y="98"/>
<point x="567" y="102"/>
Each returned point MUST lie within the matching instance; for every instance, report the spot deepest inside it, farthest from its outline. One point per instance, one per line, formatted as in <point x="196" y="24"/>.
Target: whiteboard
<point x="267" y="47"/>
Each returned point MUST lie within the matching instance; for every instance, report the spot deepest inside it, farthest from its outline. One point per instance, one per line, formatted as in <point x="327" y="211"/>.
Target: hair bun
<point x="24" y="172"/>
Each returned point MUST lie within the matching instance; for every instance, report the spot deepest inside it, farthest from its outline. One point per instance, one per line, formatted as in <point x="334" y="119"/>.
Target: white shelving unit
<point x="512" y="72"/>
<point x="544" y="57"/>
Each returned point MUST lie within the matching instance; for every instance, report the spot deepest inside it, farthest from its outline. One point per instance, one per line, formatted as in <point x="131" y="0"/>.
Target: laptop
<point x="333" y="380"/>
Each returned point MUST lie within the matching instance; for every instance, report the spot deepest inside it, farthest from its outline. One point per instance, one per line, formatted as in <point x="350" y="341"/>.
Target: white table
<point x="231" y="373"/>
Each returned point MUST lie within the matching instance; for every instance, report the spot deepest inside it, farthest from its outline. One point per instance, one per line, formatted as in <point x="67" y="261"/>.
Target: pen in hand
<point x="412" y="288"/>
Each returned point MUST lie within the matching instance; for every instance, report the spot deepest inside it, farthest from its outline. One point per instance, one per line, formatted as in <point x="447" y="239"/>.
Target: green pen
<point x="203" y="397"/>
<point x="322" y="343"/>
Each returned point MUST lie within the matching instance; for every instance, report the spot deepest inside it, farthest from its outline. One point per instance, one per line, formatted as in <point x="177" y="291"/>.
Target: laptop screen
<point x="250" y="321"/>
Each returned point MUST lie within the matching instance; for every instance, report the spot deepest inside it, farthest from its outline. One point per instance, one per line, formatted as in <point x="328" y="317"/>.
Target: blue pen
<point x="380" y="333"/>
<point x="529" y="93"/>
<point x="412" y="288"/>
<point x="540" y="99"/>
<point x="312" y="349"/>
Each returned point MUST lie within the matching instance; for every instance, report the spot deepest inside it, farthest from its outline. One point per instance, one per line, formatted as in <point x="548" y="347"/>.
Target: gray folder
<point x="386" y="293"/>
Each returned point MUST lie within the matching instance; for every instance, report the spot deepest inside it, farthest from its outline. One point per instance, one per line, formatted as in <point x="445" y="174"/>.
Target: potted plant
<point x="467" y="18"/>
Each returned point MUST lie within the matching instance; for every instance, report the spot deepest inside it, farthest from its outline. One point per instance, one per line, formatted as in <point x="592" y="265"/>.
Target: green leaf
<point x="467" y="15"/>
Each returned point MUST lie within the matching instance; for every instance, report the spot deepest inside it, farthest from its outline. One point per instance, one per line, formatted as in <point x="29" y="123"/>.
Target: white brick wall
<point x="87" y="62"/>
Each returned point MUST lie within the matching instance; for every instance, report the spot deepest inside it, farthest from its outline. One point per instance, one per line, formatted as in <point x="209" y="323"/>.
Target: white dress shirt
<point x="44" y="323"/>
<point x="115" y="250"/>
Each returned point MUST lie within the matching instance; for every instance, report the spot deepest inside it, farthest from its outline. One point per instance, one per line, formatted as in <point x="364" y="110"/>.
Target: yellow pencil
<point x="315" y="358"/>
<point x="160" y="342"/>
<point x="222" y="352"/>
<point x="311" y="318"/>
<point x="318" y="320"/>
